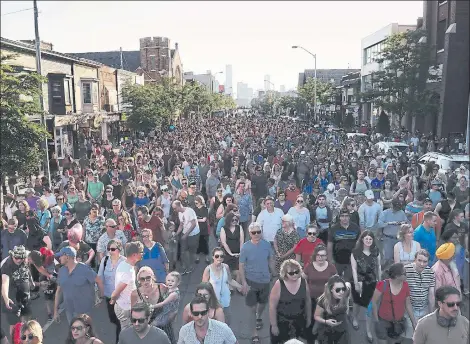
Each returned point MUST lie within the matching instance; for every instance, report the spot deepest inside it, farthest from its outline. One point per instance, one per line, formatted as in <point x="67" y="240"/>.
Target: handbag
<point x="398" y="326"/>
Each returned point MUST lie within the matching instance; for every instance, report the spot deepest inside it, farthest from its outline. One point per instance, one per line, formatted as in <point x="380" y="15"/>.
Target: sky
<point x="255" y="37"/>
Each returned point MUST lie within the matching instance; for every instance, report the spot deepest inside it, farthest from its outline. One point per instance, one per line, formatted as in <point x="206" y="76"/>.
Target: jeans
<point x="418" y="313"/>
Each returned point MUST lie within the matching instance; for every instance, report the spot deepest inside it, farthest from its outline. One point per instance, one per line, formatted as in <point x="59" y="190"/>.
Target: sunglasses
<point x="112" y="249"/>
<point x="453" y="304"/>
<point x="201" y="313"/>
<point x="76" y="328"/>
<point x="109" y="191"/>
<point x="220" y="190"/>
<point x="137" y="320"/>
<point x="67" y="214"/>
<point x="255" y="232"/>
<point x="206" y="296"/>
<point x="112" y="226"/>
<point x="145" y="279"/>
<point x="60" y="199"/>
<point x="30" y="337"/>
<point x="292" y="273"/>
<point x="300" y="201"/>
<point x="312" y="233"/>
<point x="340" y="290"/>
<point x="217" y="256"/>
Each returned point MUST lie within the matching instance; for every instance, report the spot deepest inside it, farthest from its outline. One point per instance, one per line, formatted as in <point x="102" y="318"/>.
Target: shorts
<point x="123" y="315"/>
<point x="13" y="316"/>
<point x="258" y="293"/>
<point x="50" y="293"/>
<point x="381" y="328"/>
<point x="409" y="326"/>
<point x="190" y="244"/>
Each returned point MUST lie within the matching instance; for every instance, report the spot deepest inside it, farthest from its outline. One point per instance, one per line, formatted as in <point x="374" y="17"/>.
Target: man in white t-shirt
<point x="189" y="231"/>
<point x="125" y="283"/>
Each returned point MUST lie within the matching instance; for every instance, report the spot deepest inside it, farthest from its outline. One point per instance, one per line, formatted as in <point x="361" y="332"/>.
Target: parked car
<point x="394" y="146"/>
<point x="445" y="161"/>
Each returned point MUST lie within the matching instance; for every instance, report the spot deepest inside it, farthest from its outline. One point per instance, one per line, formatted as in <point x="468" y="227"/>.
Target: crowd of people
<point x="319" y="228"/>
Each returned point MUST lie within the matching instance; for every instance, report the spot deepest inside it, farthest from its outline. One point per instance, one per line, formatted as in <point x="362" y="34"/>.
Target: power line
<point x="25" y="9"/>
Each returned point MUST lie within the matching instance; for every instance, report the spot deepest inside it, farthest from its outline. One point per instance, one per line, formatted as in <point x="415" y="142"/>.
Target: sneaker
<point x="197" y="260"/>
<point x="189" y="270"/>
<point x="50" y="318"/>
<point x="208" y="261"/>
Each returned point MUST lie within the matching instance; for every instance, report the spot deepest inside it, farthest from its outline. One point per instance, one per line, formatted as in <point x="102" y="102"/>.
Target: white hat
<point x="369" y="194"/>
<point x="330" y="187"/>
<point x="302" y="153"/>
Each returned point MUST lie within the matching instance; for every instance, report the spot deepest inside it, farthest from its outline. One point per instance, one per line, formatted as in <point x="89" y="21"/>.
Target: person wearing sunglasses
<point x="446" y="324"/>
<point x="305" y="247"/>
<point x="205" y="329"/>
<point x="112" y="232"/>
<point x="16" y="286"/>
<point x="31" y="333"/>
<point x="215" y="310"/>
<point x="141" y="331"/>
<point x="107" y="273"/>
<point x="256" y="267"/>
<point x="331" y="311"/>
<point x="290" y="310"/>
<point x="445" y="269"/>
<point x="301" y="216"/>
<point x="81" y="331"/>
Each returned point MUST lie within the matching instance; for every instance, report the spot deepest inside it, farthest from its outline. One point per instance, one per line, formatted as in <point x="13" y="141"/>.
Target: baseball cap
<point x="369" y="194"/>
<point x="66" y="251"/>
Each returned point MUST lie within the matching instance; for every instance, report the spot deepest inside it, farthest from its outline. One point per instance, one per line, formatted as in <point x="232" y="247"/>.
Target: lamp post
<point x="212" y="83"/>
<point x="274" y="87"/>
<point x="315" y="77"/>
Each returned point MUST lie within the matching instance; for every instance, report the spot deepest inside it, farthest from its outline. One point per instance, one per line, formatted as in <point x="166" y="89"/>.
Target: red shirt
<point x="292" y="195"/>
<point x="155" y="225"/>
<point x="385" y="310"/>
<point x="305" y="249"/>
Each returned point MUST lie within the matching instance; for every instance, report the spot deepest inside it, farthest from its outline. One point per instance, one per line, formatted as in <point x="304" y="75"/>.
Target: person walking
<point x="107" y="272"/>
<point x="256" y="269"/>
<point x="406" y="248"/>
<point x="141" y="332"/>
<point x="331" y="311"/>
<point x="270" y="220"/>
<point x="446" y="324"/>
<point x="285" y="241"/>
<point x="76" y="282"/>
<point x="306" y="246"/>
<point x="125" y="283"/>
<point x="290" y="310"/>
<point x="203" y="329"/>
<point x="81" y="331"/>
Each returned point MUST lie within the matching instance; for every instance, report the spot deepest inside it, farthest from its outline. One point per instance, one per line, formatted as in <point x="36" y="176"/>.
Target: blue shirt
<point x="256" y="259"/>
<point x="427" y="240"/>
<point x="108" y="274"/>
<point x="78" y="288"/>
<point x="377" y="186"/>
<point x="155" y="258"/>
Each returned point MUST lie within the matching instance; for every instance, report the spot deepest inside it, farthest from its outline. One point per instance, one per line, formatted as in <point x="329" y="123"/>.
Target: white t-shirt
<point x="125" y="273"/>
<point x="185" y="218"/>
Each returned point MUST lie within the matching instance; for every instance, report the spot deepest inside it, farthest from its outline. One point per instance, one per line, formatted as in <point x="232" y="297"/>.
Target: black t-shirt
<point x="344" y="241"/>
<point x="82" y="253"/>
<point x="21" y="219"/>
<point x="461" y="230"/>
<point x="19" y="286"/>
<point x="200" y="214"/>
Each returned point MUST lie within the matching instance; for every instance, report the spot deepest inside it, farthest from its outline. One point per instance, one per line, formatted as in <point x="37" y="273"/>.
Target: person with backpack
<point x="359" y="186"/>
<point x="107" y="273"/>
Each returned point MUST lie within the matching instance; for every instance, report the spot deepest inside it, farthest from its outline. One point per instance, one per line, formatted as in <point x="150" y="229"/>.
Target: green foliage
<point x="324" y="92"/>
<point x="398" y="86"/>
<point x="20" y="139"/>
<point x="383" y="124"/>
<point x="152" y="104"/>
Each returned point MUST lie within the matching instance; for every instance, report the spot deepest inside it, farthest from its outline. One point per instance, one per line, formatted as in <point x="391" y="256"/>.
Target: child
<point x="170" y="305"/>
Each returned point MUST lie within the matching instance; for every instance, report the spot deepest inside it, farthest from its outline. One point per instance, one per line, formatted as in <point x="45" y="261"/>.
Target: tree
<point x="21" y="139"/>
<point x="383" y="124"/>
<point x="398" y="85"/>
<point x="324" y="91"/>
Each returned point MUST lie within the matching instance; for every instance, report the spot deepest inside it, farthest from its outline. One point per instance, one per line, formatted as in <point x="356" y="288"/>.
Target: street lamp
<point x="212" y="83"/>
<point x="274" y="87"/>
<point x="315" y="77"/>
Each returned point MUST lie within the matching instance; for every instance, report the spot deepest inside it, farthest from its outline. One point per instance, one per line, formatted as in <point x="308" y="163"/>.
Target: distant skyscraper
<point x="228" y="80"/>
<point x="267" y="82"/>
<point x="282" y="88"/>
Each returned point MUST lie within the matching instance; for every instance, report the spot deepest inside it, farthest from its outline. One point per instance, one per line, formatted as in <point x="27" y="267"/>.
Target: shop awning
<point x="64" y="120"/>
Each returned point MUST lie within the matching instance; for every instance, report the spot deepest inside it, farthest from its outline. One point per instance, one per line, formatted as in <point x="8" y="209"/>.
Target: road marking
<point x="49" y="323"/>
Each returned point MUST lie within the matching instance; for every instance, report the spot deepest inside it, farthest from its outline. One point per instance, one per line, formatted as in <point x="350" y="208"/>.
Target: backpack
<point x="354" y="184"/>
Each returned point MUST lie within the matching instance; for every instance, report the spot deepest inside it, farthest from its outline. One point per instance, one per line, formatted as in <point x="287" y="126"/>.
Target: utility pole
<point x="120" y="55"/>
<point x="41" y="99"/>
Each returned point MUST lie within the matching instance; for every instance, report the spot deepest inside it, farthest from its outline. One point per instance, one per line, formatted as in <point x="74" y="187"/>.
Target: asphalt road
<point x="56" y="333"/>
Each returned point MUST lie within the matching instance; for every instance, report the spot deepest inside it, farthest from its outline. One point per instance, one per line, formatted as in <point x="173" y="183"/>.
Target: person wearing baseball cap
<point x="78" y="287"/>
<point x="445" y="269"/>
<point x="369" y="212"/>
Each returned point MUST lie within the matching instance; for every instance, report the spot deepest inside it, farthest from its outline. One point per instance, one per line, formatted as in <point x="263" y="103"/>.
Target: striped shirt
<point x="419" y="284"/>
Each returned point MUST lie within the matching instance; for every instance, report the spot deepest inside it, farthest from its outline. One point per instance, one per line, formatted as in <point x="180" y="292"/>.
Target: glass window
<point x="441" y="34"/>
<point x="67" y="91"/>
<point x="86" y="92"/>
<point x="95" y="93"/>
